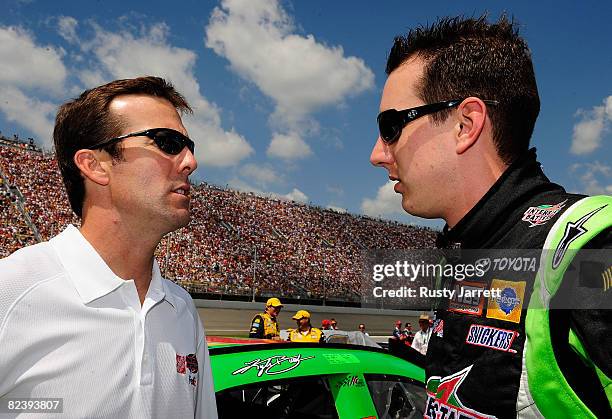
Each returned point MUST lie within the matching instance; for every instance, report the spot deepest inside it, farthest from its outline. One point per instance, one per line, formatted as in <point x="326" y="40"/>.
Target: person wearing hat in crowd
<point x="265" y="325"/>
<point x="304" y="331"/>
<point x="325" y="324"/>
<point x="421" y="338"/>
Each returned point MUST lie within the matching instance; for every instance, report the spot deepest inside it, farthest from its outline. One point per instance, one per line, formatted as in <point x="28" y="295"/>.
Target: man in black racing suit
<point x="468" y="162"/>
<point x="517" y="213"/>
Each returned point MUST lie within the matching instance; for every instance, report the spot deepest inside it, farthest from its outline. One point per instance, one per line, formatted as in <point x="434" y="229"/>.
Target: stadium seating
<point x="237" y="243"/>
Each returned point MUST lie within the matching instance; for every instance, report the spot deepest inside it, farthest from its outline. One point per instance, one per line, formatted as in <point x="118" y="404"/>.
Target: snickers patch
<point x="491" y="337"/>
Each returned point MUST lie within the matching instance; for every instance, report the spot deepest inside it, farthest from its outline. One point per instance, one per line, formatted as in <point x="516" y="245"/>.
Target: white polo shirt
<point x="70" y="328"/>
<point x="421" y="340"/>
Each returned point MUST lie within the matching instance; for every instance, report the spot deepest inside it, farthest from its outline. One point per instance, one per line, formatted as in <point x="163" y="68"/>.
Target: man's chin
<point x="412" y="209"/>
<point x="180" y="220"/>
<point x="408" y="206"/>
<point x="184" y="220"/>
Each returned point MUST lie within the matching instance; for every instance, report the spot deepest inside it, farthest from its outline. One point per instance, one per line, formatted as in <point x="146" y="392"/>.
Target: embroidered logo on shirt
<point x="537" y="216"/>
<point x="508" y="303"/>
<point x="188" y="364"/>
<point x="181" y="363"/>
<point x="468" y="298"/>
<point x="491" y="337"/>
<point x="573" y="230"/>
<point x="443" y="400"/>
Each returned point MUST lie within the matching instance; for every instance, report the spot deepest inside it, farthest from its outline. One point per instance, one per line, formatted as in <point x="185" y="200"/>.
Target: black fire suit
<point x="470" y="376"/>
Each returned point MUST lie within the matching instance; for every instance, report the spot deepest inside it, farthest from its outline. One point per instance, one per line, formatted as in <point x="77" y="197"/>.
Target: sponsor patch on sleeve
<point x="491" y="337"/>
<point x="537" y="216"/>
<point x="507" y="300"/>
<point x="467" y="298"/>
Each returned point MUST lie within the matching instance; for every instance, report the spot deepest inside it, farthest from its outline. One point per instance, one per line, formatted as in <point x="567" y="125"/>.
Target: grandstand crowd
<point x="236" y="243"/>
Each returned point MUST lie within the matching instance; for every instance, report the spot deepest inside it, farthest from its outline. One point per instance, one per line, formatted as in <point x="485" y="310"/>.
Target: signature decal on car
<point x="350" y="381"/>
<point x="276" y="364"/>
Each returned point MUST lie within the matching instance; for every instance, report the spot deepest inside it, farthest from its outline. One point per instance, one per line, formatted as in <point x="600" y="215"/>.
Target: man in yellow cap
<point x="264" y="325"/>
<point x="305" y="332"/>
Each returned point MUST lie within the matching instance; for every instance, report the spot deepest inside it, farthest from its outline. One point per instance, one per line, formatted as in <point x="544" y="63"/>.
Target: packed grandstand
<point x="238" y="244"/>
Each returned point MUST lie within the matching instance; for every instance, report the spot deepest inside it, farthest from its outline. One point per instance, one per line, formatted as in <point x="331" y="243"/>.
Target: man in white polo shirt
<point x="87" y="317"/>
<point x="421" y="338"/>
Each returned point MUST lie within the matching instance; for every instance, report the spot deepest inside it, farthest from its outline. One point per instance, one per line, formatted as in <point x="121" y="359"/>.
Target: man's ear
<point x="89" y="164"/>
<point x="471" y="117"/>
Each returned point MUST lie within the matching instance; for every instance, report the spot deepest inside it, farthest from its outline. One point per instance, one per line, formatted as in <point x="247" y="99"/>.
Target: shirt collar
<point x="90" y="275"/>
<point x="515" y="186"/>
<point x="158" y="282"/>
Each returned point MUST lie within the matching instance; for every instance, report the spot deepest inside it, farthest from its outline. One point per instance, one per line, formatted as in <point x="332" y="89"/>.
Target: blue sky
<point x="286" y="93"/>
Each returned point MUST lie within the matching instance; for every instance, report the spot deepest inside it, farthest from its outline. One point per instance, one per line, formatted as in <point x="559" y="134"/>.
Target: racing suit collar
<point x="522" y="180"/>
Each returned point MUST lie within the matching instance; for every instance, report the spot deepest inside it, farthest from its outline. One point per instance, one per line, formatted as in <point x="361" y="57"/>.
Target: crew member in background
<point x="408" y="333"/>
<point x="265" y="325"/>
<point x="325" y="324"/>
<point x="334" y="324"/>
<point x="304" y="331"/>
<point x="362" y="329"/>
<point x="421" y="338"/>
<point x="397" y="331"/>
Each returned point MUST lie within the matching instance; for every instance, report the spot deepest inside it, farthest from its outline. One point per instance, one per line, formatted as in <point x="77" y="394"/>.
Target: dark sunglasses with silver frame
<point x="166" y="139"/>
<point x="391" y="122"/>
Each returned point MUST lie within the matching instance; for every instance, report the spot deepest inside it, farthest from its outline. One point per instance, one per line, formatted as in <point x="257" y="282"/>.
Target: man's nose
<point x="188" y="162"/>
<point x="381" y="154"/>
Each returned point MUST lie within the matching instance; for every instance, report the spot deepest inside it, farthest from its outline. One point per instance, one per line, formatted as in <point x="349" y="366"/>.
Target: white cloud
<point x="241" y="185"/>
<point x="67" y="28"/>
<point x="288" y="147"/>
<point x="91" y="77"/>
<point x="35" y="115"/>
<point x="29" y="72"/>
<point x="299" y="73"/>
<point x="25" y="65"/>
<point x="125" y="55"/>
<point x="388" y="205"/>
<point x="214" y="146"/>
<point x="261" y="175"/>
<point x="296" y="195"/>
<point x="387" y="202"/>
<point x="588" y="132"/>
<point x="595" y="178"/>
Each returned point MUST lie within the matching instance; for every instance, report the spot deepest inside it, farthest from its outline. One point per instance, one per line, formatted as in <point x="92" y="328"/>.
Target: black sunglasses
<point x="391" y="122"/>
<point x="166" y="139"/>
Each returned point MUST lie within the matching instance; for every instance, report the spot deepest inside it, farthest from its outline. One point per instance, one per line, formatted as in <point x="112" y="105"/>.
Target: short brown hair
<point x="87" y="121"/>
<point x="472" y="57"/>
